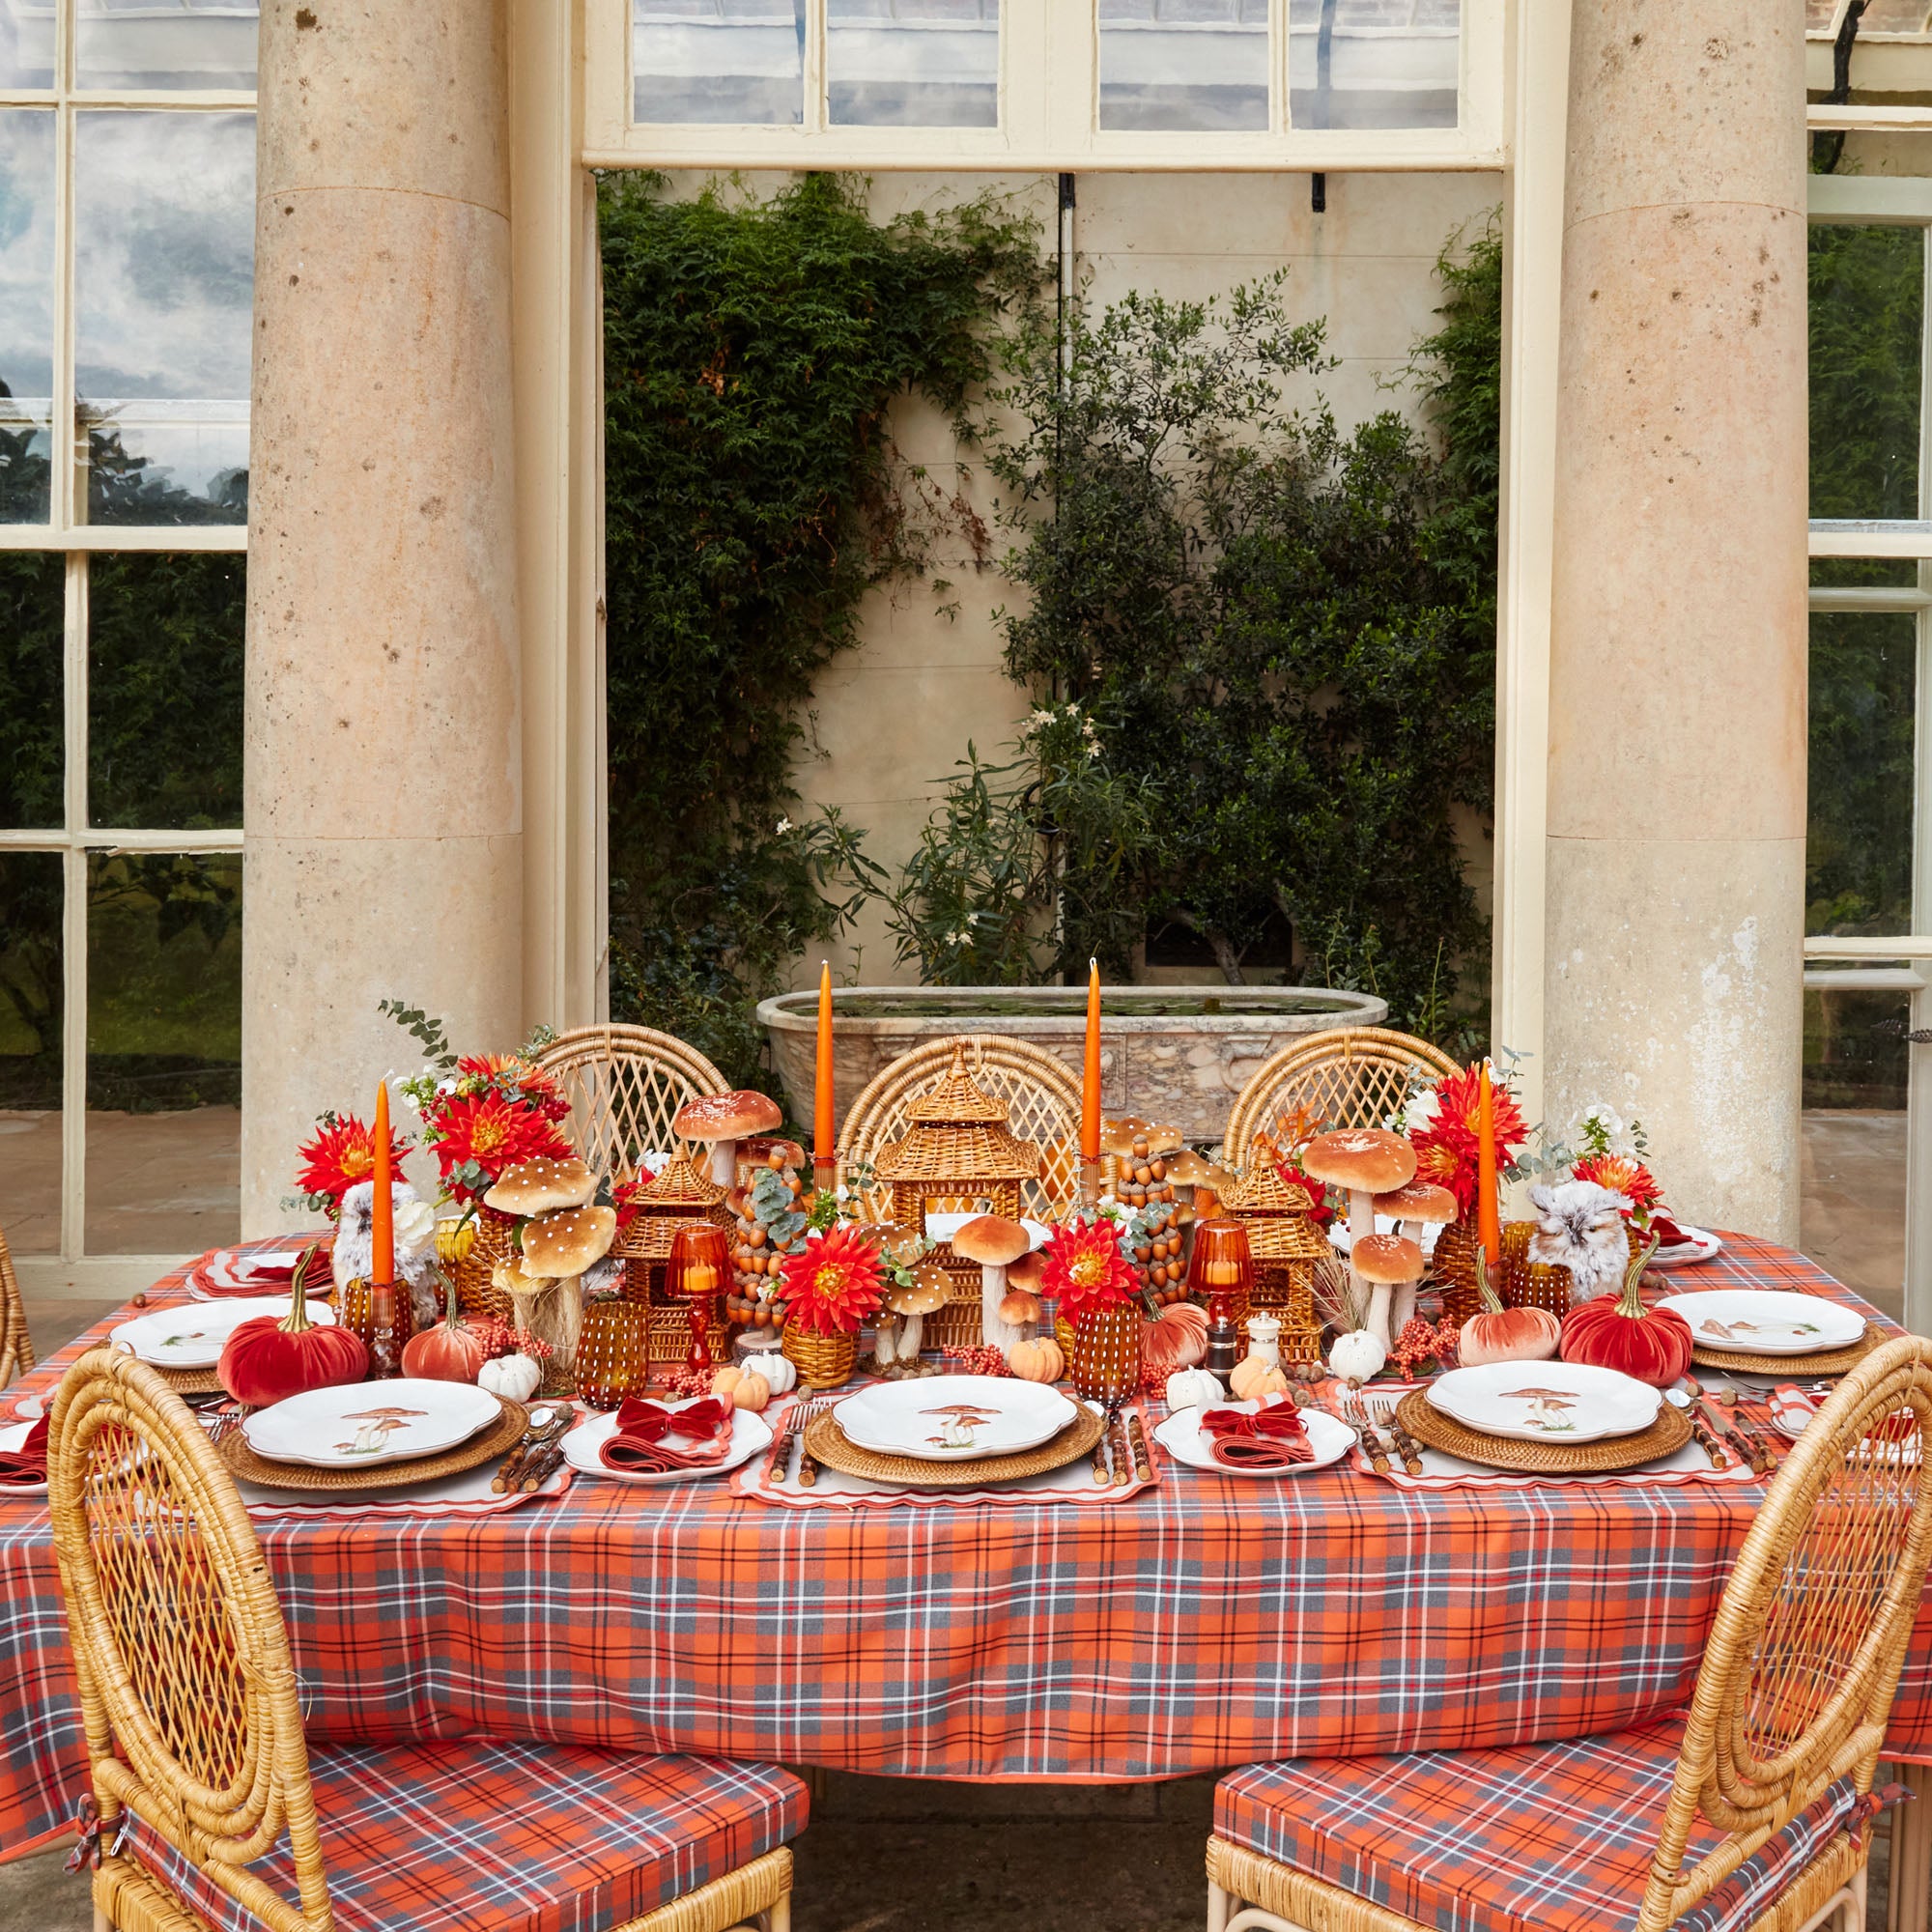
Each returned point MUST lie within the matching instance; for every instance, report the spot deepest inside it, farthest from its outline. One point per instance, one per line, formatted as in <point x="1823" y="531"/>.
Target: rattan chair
<point x="17" y="1346"/>
<point x="215" y="1813"/>
<point x="1748" y="1810"/>
<point x="625" y="1085"/>
<point x="1043" y="1094"/>
<point x="1350" y="1077"/>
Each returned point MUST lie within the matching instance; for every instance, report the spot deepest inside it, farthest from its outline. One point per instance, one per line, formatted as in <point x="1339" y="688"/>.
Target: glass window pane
<point x="26" y="311"/>
<point x="1857" y="853"/>
<point x="32" y="615"/>
<point x="1893" y="16"/>
<point x="164" y="689"/>
<point x="913" y="63"/>
<point x="198" y="44"/>
<point x="26" y="42"/>
<point x="164" y="253"/>
<point x="1867" y="319"/>
<point x="30" y="1051"/>
<point x="1199" y="66"/>
<point x="719" y="60"/>
<point x="1374" y="63"/>
<point x="1852" y="1213"/>
<point x="163" y="1052"/>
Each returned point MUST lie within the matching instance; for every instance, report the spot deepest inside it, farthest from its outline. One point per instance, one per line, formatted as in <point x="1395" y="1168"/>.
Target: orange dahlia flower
<point x="342" y="1152"/>
<point x="1085" y="1270"/>
<point x="833" y="1284"/>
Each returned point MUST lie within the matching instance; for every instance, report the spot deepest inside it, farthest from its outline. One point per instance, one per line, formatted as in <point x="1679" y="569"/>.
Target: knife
<point x="1100" y="1470"/>
<point x="1137" y="1442"/>
<point x="1732" y="1433"/>
<point x="774" y="1456"/>
<point x="1116" y="1436"/>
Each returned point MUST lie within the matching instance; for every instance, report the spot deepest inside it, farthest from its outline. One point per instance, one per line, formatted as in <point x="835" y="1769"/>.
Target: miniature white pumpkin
<point x="1357" y="1356"/>
<point x="779" y="1371"/>
<point x="516" y="1376"/>
<point x="1194" y="1388"/>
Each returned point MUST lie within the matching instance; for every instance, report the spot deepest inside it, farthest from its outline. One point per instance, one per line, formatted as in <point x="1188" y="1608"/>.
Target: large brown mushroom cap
<point x="1118" y="1135"/>
<point x="1188" y="1169"/>
<point x="1361" y="1159"/>
<point x="534" y="1186"/>
<point x="760" y="1148"/>
<point x="565" y="1241"/>
<point x="726" y="1117"/>
<point x="992" y="1240"/>
<point x="1162" y="1140"/>
<point x="1386" y="1258"/>
<point x="1419" y="1201"/>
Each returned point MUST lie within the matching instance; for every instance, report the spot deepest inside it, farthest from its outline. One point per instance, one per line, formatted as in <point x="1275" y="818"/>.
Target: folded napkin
<point x="641" y="1446"/>
<point x="1668" y="1233"/>
<point x="1274" y="1439"/>
<point x="28" y="1464"/>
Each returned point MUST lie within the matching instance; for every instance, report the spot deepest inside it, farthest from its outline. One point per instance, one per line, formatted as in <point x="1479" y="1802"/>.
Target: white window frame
<point x="1048" y="112"/>
<point x="76" y="841"/>
<point x="1893" y="964"/>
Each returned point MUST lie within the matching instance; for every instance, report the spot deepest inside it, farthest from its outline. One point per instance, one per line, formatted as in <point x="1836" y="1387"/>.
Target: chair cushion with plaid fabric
<point x="1554" y="1838"/>
<point x="484" y="1836"/>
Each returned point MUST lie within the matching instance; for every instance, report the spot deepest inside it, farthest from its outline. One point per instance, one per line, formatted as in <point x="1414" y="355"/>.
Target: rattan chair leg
<point x="729" y="1903"/>
<point x="125" y="1899"/>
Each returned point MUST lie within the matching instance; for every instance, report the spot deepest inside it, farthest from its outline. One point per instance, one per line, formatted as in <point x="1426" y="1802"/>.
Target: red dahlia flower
<point x="1622" y="1174"/>
<point x="833" y="1284"/>
<point x="477" y="1136"/>
<point x="342" y="1152"/>
<point x="1085" y="1269"/>
<point x="1446" y="1151"/>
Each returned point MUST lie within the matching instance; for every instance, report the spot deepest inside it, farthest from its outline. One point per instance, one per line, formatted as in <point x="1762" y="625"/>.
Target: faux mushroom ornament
<point x="930" y="1287"/>
<point x="1414" y="1206"/>
<point x="535" y="1186"/>
<point x="1366" y="1161"/>
<point x="994" y="1243"/>
<point x="724" y="1120"/>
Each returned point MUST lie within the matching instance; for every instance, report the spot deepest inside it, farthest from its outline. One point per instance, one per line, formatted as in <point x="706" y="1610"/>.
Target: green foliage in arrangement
<point x="754" y="496"/>
<point x="1264" y="650"/>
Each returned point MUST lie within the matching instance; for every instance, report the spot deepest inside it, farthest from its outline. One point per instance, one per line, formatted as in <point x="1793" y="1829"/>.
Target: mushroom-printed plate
<point x="948" y="1418"/>
<point x="1766" y="1320"/>
<point x="192" y="1335"/>
<point x="362" y="1424"/>
<point x="1546" y="1401"/>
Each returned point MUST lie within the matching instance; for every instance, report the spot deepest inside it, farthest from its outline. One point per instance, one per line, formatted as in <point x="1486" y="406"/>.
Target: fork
<point x="1358" y="1418"/>
<point x="808" y="1468"/>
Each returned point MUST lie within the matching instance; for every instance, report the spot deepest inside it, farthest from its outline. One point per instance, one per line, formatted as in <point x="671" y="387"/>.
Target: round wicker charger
<point x="1822" y="1362"/>
<point x="1429" y="1427"/>
<point x="497" y="1439"/>
<point x="827" y="1442"/>
<point x="191" y="1381"/>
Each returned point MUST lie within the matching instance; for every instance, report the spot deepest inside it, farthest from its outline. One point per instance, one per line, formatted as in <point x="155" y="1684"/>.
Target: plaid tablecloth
<point x="1206" y="1623"/>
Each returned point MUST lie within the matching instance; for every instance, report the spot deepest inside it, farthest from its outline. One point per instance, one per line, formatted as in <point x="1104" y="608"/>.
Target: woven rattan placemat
<point x="1433" y="1430"/>
<point x="497" y="1439"/>
<point x="191" y="1381"/>
<point x="825" y="1440"/>
<point x="1822" y="1362"/>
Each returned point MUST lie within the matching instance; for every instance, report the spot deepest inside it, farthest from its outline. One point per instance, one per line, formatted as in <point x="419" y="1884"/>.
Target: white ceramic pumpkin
<point x="516" y="1376"/>
<point x="779" y="1371"/>
<point x="1194" y="1388"/>
<point x="1357" y="1356"/>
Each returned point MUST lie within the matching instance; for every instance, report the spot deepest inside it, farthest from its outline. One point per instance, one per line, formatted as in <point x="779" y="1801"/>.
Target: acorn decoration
<point x="1146" y="1186"/>
<point x="768" y="1222"/>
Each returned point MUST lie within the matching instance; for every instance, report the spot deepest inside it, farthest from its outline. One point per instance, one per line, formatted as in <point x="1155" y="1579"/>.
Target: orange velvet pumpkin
<point x="265" y="1360"/>
<point x="1617" y="1331"/>
<point x="1498" y="1334"/>
<point x="1177" y="1338"/>
<point x="452" y="1351"/>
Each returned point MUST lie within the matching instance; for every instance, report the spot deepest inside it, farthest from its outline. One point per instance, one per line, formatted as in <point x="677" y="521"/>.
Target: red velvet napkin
<point x="641" y="1447"/>
<point x="1273" y="1439"/>
<point x="28" y="1464"/>
<point x="1668" y="1233"/>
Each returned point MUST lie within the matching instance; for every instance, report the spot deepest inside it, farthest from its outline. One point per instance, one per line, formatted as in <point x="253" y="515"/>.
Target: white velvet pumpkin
<point x="1357" y="1356"/>
<point x="1194" y="1388"/>
<point x="516" y="1376"/>
<point x="778" y="1370"/>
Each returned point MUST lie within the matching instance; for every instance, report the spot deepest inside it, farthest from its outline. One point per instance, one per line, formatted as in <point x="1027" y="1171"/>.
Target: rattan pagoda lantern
<point x="960" y="1154"/>
<point x="677" y="1196"/>
<point x="1286" y="1243"/>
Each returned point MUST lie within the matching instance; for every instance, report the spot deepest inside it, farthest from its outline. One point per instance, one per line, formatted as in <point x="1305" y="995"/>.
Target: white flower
<point x="414" y="1221"/>
<point x="785" y="826"/>
<point x="1420" y="1112"/>
<point x="1093" y="751"/>
<point x="957" y="938"/>
<point x="1043" y="715"/>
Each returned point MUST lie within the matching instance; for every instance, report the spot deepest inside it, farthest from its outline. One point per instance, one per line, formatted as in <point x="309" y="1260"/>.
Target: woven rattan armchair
<point x="215" y="1813"/>
<point x="1748" y="1810"/>
<point x="1042" y="1092"/>
<point x="625" y="1085"/>
<point x="1350" y="1077"/>
<point x="17" y="1346"/>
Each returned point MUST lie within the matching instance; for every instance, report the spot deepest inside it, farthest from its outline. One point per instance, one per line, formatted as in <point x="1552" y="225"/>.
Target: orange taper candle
<point x="1090" y="1086"/>
<point x="383" y="1212"/>
<point x="824" y="1130"/>
<point x="1488" y="1233"/>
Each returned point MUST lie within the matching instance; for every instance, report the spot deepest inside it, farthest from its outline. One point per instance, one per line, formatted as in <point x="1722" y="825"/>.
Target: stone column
<point x="383" y="811"/>
<point x="1676" y="830"/>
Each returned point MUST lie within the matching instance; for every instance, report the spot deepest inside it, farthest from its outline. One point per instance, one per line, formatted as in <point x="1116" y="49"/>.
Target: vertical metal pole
<point x="1056" y="851"/>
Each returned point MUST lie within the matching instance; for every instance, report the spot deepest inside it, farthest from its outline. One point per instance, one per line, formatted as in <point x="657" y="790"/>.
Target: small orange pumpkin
<point x="452" y="1351"/>
<point x="1037" y="1361"/>
<point x="1255" y="1379"/>
<point x="1498" y="1334"/>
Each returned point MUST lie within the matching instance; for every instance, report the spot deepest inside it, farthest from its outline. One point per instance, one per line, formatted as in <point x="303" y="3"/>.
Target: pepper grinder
<point x="1223" y="1343"/>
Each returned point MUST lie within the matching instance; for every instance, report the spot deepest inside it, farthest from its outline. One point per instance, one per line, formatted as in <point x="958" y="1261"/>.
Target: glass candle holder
<point x="1222" y="1268"/>
<point x="701" y="1256"/>
<point x="612" y="1352"/>
<point x="383" y="1317"/>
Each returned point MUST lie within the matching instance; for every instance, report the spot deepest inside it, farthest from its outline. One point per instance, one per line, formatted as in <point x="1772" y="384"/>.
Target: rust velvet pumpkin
<point x="1177" y="1338"/>
<point x="1498" y="1334"/>
<point x="1617" y="1331"/>
<point x="452" y="1351"/>
<point x="265" y="1360"/>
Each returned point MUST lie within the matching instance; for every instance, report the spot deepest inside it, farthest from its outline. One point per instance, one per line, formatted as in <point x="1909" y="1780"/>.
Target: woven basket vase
<point x="822" y="1361"/>
<point x="494" y="1243"/>
<point x="1520" y="1283"/>
<point x="1105" y="1360"/>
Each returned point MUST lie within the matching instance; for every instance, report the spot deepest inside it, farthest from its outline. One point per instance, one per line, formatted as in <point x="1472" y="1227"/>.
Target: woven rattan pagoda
<point x="676" y="1197"/>
<point x="1286" y="1243"/>
<point x="958" y="1153"/>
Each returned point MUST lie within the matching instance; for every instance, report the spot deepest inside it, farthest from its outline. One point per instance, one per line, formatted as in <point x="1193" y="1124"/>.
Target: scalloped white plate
<point x="362" y="1424"/>
<point x="1546" y="1401"/>
<point x="953" y="1418"/>
<point x="192" y="1335"/>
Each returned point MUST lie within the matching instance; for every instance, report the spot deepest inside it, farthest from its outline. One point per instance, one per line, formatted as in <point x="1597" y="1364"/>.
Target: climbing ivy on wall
<point x="754" y="496"/>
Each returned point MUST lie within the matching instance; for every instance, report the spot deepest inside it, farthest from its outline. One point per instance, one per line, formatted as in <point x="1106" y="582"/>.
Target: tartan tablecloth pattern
<point x="1210" y="1621"/>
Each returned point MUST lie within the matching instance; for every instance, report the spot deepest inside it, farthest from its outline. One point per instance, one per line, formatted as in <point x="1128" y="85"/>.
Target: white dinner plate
<point x="1546" y="1401"/>
<point x="943" y="1228"/>
<point x="951" y="1418"/>
<point x="11" y="1435"/>
<point x="584" y="1448"/>
<point x="1181" y="1437"/>
<point x="362" y="1424"/>
<point x="1766" y="1320"/>
<point x="192" y="1335"/>
<point x="1702" y="1246"/>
